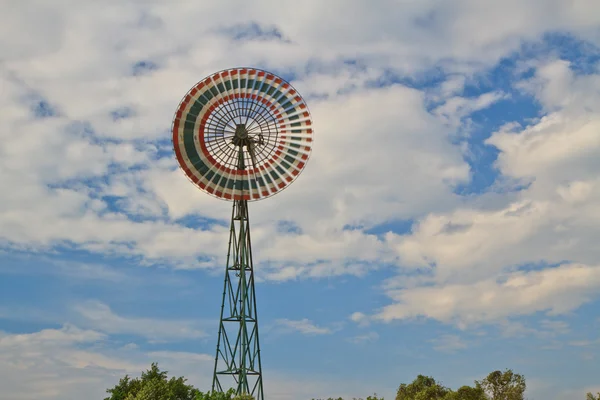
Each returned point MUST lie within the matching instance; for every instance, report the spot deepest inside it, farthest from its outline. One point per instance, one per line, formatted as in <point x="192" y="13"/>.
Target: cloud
<point x="123" y="155"/>
<point x="50" y="363"/>
<point x="72" y="363"/>
<point x="45" y="21"/>
<point x="99" y="316"/>
<point x="359" y="318"/>
<point x="254" y="31"/>
<point x="367" y="337"/>
<point x="105" y="185"/>
<point x="115" y="195"/>
<point x="554" y="291"/>
<point x="448" y="343"/>
<point x="517" y="253"/>
<point x="303" y="326"/>
<point x="544" y="329"/>
<point x="563" y="145"/>
<point x="454" y="109"/>
<point x="66" y="335"/>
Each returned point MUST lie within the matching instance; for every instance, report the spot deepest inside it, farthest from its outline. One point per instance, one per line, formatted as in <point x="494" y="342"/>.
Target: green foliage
<point x="426" y="388"/>
<point x="467" y="393"/>
<point x="124" y="388"/>
<point x="422" y="388"/>
<point x="154" y="385"/>
<point x="471" y="393"/>
<point x="243" y="397"/>
<point x="590" y="396"/>
<point x="504" y="385"/>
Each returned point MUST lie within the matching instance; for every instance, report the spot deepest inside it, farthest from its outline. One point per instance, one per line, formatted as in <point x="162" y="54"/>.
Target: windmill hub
<point x="241" y="135"/>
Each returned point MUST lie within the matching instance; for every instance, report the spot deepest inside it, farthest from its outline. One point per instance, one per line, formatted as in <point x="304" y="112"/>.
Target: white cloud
<point x="473" y="253"/>
<point x="67" y="334"/>
<point x="348" y="181"/>
<point x="563" y="145"/>
<point x="544" y="329"/>
<point x="304" y="326"/>
<point x="555" y="291"/>
<point x="100" y="317"/>
<point x="455" y="108"/>
<point x="339" y="188"/>
<point x="71" y="363"/>
<point x="359" y="318"/>
<point x="367" y="337"/>
<point x="449" y="343"/>
<point x="50" y="363"/>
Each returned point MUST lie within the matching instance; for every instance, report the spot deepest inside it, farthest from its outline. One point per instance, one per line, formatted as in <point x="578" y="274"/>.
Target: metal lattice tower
<point x="241" y="135"/>
<point x="238" y="347"/>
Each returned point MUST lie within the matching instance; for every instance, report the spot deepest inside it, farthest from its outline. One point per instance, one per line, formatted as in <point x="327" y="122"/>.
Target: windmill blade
<point x="237" y="108"/>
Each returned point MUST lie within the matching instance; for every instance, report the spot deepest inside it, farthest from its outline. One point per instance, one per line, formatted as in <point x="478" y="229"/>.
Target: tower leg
<point x="237" y="362"/>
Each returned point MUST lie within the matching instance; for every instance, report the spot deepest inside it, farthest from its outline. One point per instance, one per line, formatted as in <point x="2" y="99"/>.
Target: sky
<point x="446" y="223"/>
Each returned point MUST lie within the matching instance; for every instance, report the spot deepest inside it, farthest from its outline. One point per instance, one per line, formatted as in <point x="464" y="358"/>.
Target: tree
<point x="154" y="385"/>
<point x="467" y="393"/>
<point x="590" y="396"/>
<point x="422" y="388"/>
<point x="503" y="385"/>
<point x="426" y="388"/>
<point x="124" y="388"/>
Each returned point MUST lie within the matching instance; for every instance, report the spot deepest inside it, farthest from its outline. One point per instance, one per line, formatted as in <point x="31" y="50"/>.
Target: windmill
<point x="241" y="135"/>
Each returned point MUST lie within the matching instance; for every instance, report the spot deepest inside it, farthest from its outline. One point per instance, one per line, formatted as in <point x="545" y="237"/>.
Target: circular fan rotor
<point x="242" y="134"/>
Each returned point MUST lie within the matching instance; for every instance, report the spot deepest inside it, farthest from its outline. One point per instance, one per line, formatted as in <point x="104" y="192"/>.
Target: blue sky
<point x="445" y="225"/>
